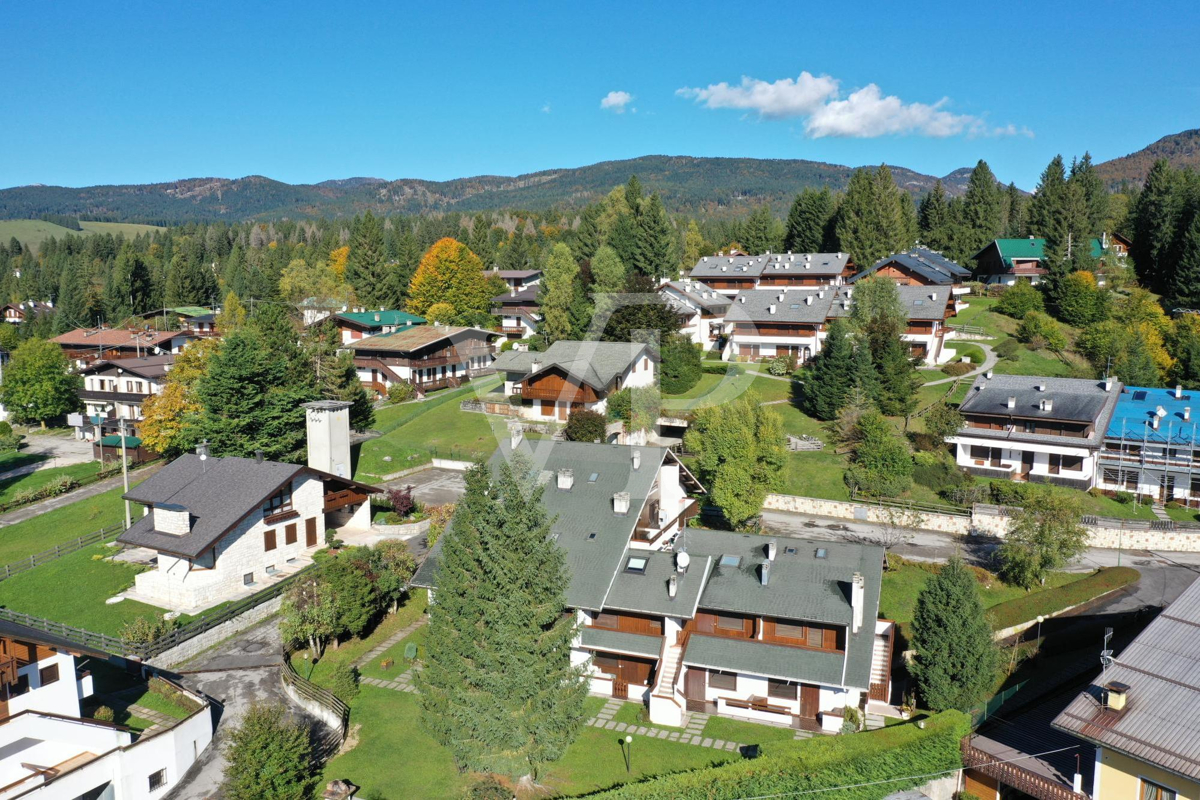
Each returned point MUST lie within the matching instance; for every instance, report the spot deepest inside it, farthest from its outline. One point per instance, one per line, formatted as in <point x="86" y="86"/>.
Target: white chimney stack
<point x="858" y="588"/>
<point x="1012" y="402"/>
<point x="173" y="519"/>
<point x="771" y="308"/>
<point x="672" y="586"/>
<point x="1187" y="413"/>
<point x="988" y="375"/>
<point x="328" y="429"/>
<point x="566" y="479"/>
<point x="621" y="503"/>
<point x="764" y="572"/>
<point x="1108" y="384"/>
<point x="772" y="548"/>
<point x="637" y="459"/>
<point x="1178" y="392"/>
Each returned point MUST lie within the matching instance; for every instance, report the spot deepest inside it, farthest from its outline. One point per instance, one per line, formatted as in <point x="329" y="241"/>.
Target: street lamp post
<point x="124" y="471"/>
<point x="627" y="750"/>
<point x="1040" y="620"/>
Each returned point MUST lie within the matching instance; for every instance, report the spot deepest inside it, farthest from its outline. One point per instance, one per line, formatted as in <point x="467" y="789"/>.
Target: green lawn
<point x="735" y="730"/>
<point x="965" y="349"/>
<point x="1037" y="362"/>
<point x="32" y="232"/>
<point x="61" y="525"/>
<point x="353" y="649"/>
<point x="1183" y="514"/>
<point x="374" y="668"/>
<point x="714" y="390"/>
<point x="904" y="581"/>
<point x="10" y="487"/>
<point x="797" y="423"/>
<point x="72" y="590"/>
<point x="156" y="702"/>
<point x="815" y="474"/>
<point x="14" y="459"/>
<point x="444" y="428"/>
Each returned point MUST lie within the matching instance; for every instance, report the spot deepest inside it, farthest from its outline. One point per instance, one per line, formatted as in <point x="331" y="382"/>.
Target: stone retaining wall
<point x="200" y="643"/>
<point x="404" y="531"/>
<point x="863" y="512"/>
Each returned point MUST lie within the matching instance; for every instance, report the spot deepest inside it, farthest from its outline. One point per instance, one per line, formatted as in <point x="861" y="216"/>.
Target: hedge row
<point x="721" y="369"/>
<point x="1045" y="603"/>
<point x="822" y="763"/>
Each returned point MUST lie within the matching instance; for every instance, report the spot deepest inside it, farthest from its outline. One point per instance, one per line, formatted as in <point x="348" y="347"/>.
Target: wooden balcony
<point x="1014" y="775"/>
<point x="343" y="498"/>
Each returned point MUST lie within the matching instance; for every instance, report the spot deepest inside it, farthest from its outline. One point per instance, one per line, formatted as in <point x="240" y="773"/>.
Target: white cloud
<point x="783" y="98"/>
<point x="616" y="101"/>
<point x="865" y="113"/>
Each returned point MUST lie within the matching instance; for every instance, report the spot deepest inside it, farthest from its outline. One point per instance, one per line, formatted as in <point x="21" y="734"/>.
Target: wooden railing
<point x="343" y="498"/>
<point x="60" y="550"/>
<point x="1010" y="774"/>
<point x="756" y="704"/>
<point x="310" y="691"/>
<point x="80" y="636"/>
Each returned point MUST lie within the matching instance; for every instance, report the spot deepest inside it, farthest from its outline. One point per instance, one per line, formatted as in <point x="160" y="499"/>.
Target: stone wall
<point x="198" y="644"/>
<point x="863" y="512"/>
<point x="404" y="531"/>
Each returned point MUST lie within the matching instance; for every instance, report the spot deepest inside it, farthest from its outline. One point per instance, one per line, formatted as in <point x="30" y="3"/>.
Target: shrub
<point x="938" y="472"/>
<point x="1008" y="493"/>
<point x="103" y="714"/>
<point x="620" y="406"/>
<point x="1096" y="491"/>
<point x="853" y="717"/>
<point x="680" y="367"/>
<point x="957" y="368"/>
<point x="343" y="681"/>
<point x="1019" y="299"/>
<point x="968" y="495"/>
<point x="1008" y="349"/>
<point x="780" y="366"/>
<point x="402" y="501"/>
<point x="1124" y="498"/>
<point x="722" y="369"/>
<point x="439" y="518"/>
<point x="331" y="540"/>
<point x="1042" y="330"/>
<point x="514" y="399"/>
<point x="1174" y="504"/>
<point x="143" y="630"/>
<point x="585" y="426"/>
<point x="5" y="429"/>
<point x="400" y="392"/>
<point x="489" y="789"/>
<point x="1050" y="601"/>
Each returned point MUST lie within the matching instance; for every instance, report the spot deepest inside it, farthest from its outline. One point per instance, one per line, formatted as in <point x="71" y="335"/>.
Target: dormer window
<point x="280" y="502"/>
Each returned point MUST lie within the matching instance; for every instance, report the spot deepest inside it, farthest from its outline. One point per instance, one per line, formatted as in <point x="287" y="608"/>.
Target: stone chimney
<point x="566" y="479"/>
<point x="858" y="588"/>
<point x="172" y="518"/>
<point x="328" y="423"/>
<point x="621" y="503"/>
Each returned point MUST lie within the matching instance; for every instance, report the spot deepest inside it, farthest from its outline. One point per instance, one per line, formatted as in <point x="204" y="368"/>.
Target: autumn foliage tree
<point x="450" y="274"/>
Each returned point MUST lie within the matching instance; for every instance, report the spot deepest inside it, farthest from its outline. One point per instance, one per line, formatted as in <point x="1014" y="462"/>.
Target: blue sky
<point x="132" y="92"/>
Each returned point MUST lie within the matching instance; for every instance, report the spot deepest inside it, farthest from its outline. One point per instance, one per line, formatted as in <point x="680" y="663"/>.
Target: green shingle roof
<point x="369" y="318"/>
<point x="617" y="642"/>
<point x="114" y="440"/>
<point x="1032" y="248"/>
<point x="766" y="660"/>
<point x="647" y="593"/>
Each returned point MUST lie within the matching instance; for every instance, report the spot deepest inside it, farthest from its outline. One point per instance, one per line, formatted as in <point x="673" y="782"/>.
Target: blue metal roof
<point x="1137" y="407"/>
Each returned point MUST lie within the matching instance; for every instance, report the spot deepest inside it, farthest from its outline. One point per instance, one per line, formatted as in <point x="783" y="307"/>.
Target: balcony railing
<point x="1016" y="776"/>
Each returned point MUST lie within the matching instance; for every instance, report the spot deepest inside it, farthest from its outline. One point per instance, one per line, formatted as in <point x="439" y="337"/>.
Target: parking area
<point x="434" y="486"/>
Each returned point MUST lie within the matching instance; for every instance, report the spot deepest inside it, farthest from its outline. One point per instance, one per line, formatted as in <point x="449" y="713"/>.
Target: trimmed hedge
<point x="821" y="763"/>
<point x="721" y="369"/>
<point x="1045" y="603"/>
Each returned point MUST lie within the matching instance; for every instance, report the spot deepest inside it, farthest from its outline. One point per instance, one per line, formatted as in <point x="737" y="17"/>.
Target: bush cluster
<point x="938" y="472"/>
<point x="54" y="488"/>
<point x="400" y="392"/>
<point x="722" y="369"/>
<point x="956" y="368"/>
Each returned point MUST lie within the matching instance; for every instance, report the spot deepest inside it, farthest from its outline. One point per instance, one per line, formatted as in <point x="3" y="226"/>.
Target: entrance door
<point x="694" y="684"/>
<point x="1026" y="463"/>
<point x="310" y="532"/>
<point x="1166" y="488"/>
<point x="810" y="701"/>
<point x="562" y="412"/>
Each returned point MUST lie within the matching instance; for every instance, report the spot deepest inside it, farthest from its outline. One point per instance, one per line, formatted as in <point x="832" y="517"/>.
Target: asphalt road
<point x="1164" y="575"/>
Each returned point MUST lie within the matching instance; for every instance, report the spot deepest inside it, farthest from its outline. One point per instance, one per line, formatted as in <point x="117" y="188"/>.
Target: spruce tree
<point x="1046" y="205"/>
<point x="1014" y="212"/>
<point x="1095" y="195"/>
<point x="608" y="279"/>
<point x="981" y="212"/>
<point x="756" y="233"/>
<point x="871" y="221"/>
<point x="498" y="688"/>
<point x="808" y="222"/>
<point x="955" y="659"/>
<point x="832" y="374"/>
<point x="588" y="236"/>
<point x="480" y="240"/>
<point x="560" y="276"/>
<point x="365" y="268"/>
<point x="1134" y="364"/>
<point x="654" y="248"/>
<point x="933" y="218"/>
<point x="1185" y="279"/>
<point x="1155" y="217"/>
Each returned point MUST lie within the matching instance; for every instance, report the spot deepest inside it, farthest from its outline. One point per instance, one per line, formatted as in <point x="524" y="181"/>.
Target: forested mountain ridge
<point x="701" y="186"/>
<point x="1179" y="149"/>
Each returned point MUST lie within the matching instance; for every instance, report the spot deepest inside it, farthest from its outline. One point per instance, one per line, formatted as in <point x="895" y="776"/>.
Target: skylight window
<point x="593" y="477"/>
<point x="591" y="536"/>
<point x="791" y="551"/>
<point x="822" y="552"/>
<point x="730" y="561"/>
<point x="637" y="564"/>
<point x="1139" y="397"/>
<point x="794" y="306"/>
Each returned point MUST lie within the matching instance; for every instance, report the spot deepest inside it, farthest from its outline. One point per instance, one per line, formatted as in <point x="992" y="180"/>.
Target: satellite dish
<point x="682" y="559"/>
<point x="204" y="456"/>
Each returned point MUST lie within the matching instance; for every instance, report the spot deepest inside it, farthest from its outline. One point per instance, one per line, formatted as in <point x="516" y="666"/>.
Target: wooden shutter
<point x="310" y="532"/>
<point x="289" y="534"/>
<point x="269" y="540"/>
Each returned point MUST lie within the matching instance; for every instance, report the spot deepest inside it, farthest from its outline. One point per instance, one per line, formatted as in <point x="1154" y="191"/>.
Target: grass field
<point x="10" y="487"/>
<point x="353" y="649"/>
<point x="60" y="525"/>
<point x="32" y="232"/>
<point x="718" y="389"/>
<point x="396" y="654"/>
<point x="735" y="730"/>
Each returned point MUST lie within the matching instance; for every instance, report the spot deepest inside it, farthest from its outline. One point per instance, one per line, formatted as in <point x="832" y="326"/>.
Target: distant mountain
<point x="1181" y="149"/>
<point x="706" y="186"/>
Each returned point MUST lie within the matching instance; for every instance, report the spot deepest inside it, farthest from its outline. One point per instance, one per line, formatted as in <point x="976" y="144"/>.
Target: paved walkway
<point x="1160" y="512"/>
<point x="395" y="638"/>
<point x="692" y="734"/>
<point x="91" y="490"/>
<point x="989" y="360"/>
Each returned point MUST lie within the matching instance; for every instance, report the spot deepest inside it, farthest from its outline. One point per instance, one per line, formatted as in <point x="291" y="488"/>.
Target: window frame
<point x="50" y="670"/>
<point x="280" y="502"/>
<point x="773" y="690"/>
<point x="1161" y="792"/>
<point x="157" y="780"/>
<point x="270" y="540"/>
<point x="716" y="679"/>
<point x="719" y="618"/>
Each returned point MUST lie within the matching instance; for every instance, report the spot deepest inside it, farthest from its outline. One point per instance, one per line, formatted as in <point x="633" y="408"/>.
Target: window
<point x="1055" y="463"/>
<point x="591" y="536"/>
<point x="781" y="690"/>
<point x="248" y="579"/>
<point x="726" y="681"/>
<point x="1072" y="463"/>
<point x="1152" y="791"/>
<point x="637" y="564"/>
<point x="593" y="477"/>
<point x="48" y="675"/>
<point x="730" y="561"/>
<point x="791" y="551"/>
<point x="279" y="502"/>
<point x="607" y="664"/>
<point x="606" y="619"/>
<point x="816" y="637"/>
<point x="726" y="622"/>
<point x="158" y="780"/>
<point x="268" y="540"/>
<point x="980" y="453"/>
<point x="821" y="552"/>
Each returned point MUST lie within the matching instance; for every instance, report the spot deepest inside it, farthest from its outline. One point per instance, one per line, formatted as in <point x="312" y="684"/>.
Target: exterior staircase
<point x="666" y="702"/>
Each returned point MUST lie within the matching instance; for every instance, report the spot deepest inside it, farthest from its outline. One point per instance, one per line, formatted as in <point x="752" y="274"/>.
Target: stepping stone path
<point x="401" y="683"/>
<point x="692" y="734"/>
<point x="380" y="649"/>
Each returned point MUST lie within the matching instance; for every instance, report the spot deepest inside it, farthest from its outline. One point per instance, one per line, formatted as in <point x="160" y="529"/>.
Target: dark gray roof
<point x="698" y="294"/>
<point x="796" y="305"/>
<point x="617" y="642"/>
<point x="929" y="264"/>
<point x="516" y="361"/>
<point x="766" y="660"/>
<point x="594" y="363"/>
<point x="1160" y="723"/>
<point x="1074" y="399"/>
<point x="217" y="492"/>
<point x="647" y="593"/>
<point x="826" y="264"/>
<point x="149" y="367"/>
<point x="593" y="537"/>
<point x="523" y="297"/>
<point x="924" y="302"/>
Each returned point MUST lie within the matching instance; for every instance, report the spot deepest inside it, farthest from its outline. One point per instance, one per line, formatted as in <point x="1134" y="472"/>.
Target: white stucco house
<point x="701" y="310"/>
<point x="228" y="527"/>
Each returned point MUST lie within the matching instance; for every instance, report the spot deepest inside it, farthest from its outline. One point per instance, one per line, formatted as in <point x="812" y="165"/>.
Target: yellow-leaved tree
<point x="171" y="424"/>
<point x="450" y="273"/>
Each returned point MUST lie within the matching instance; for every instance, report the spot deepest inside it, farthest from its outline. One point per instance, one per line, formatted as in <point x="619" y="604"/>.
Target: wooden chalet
<point x="427" y="356"/>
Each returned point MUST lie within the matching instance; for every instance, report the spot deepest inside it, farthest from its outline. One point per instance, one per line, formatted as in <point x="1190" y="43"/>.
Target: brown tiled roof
<point x="413" y="338"/>
<point x="114" y="337"/>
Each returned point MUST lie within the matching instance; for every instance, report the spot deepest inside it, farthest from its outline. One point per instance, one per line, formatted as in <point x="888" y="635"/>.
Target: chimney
<point x="534" y="366"/>
<point x="512" y="291"/>
<point x="682" y="559"/>
<point x="172" y="518"/>
<point x="1046" y="405"/>
<point x="988" y="375"/>
<point x="781" y="296"/>
<point x="741" y="298"/>
<point x="933" y="295"/>
<point x="328" y="430"/>
<point x="637" y="459"/>
<point x="858" y="588"/>
<point x="772" y="548"/>
<point x="808" y="300"/>
<point x="764" y="572"/>
<point x="1187" y="414"/>
<point x="1178" y="392"/>
<point x="1154" y="422"/>
<point x="621" y="503"/>
<point x="258" y="456"/>
<point x="377" y="316"/>
<point x="1012" y="402"/>
<point x="516" y="432"/>
<point x="672" y="586"/>
<point x="566" y="479"/>
<point x="1041" y="387"/>
<point x="771" y="308"/>
<point x="1108" y="384"/>
<point x="1116" y="695"/>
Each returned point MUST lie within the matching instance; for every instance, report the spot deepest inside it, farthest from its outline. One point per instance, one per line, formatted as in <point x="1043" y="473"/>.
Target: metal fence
<point x="980" y="713"/>
<point x="60" y="550"/>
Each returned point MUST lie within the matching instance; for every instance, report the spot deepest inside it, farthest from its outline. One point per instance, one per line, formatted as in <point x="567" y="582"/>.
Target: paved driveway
<point x="433" y="486"/>
<point x="236" y="673"/>
<point x="62" y="450"/>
